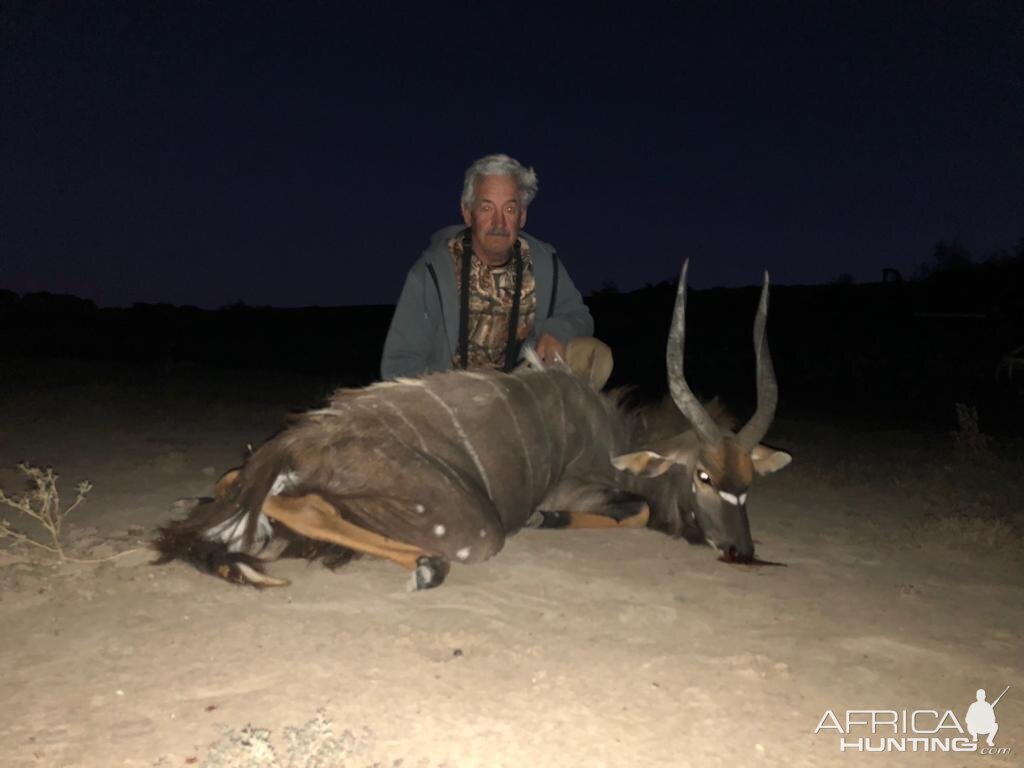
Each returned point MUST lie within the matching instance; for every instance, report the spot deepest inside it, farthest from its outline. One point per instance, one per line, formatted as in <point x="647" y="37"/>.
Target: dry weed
<point x="42" y="504"/>
<point x="972" y="445"/>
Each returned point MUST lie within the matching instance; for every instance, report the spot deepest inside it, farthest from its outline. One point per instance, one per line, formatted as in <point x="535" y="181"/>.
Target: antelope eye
<point x="703" y="476"/>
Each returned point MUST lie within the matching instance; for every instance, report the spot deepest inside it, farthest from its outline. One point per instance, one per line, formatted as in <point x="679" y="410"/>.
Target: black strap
<point x="512" y="344"/>
<point x="467" y="256"/>
<point x="554" y="284"/>
<point x="437" y="287"/>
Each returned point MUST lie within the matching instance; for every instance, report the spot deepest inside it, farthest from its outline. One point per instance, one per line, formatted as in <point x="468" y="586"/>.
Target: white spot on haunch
<point x="420" y="509"/>
<point x="440" y="530"/>
<point x="463" y="553"/>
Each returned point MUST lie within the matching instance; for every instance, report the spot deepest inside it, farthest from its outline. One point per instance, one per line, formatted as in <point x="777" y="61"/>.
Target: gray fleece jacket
<point x="424" y="333"/>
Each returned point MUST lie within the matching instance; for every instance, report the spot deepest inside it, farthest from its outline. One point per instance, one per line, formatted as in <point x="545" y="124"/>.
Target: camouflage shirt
<point x="491" y="293"/>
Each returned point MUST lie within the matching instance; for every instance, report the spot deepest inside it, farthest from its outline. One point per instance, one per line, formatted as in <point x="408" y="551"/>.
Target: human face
<point x="495" y="218"/>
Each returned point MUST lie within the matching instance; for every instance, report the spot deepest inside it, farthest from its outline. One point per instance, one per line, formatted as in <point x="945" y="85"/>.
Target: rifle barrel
<point x="1000" y="696"/>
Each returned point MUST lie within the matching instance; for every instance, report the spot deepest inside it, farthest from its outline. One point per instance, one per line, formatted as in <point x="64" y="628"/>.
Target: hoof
<point x="430" y="572"/>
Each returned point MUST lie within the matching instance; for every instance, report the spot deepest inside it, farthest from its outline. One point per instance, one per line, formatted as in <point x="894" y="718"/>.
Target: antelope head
<point x="714" y="467"/>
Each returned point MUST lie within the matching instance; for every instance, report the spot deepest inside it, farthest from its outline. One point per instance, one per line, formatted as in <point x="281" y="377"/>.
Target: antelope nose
<point x="734" y="555"/>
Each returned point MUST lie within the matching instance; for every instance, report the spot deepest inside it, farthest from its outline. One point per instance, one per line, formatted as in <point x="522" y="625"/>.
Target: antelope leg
<point x="313" y="516"/>
<point x="612" y="517"/>
<point x="220" y="490"/>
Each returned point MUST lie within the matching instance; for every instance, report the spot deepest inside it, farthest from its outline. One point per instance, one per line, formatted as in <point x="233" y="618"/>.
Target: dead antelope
<point x="697" y="481"/>
<point x="441" y="469"/>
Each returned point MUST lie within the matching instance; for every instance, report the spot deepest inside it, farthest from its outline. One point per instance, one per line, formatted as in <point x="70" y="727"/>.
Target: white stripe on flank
<point x="503" y="395"/>
<point x="405" y="419"/>
<point x="565" y="427"/>
<point x="465" y="441"/>
<point x="426" y="456"/>
<point x="548" y="425"/>
<point x="541" y="420"/>
<point x="599" y="429"/>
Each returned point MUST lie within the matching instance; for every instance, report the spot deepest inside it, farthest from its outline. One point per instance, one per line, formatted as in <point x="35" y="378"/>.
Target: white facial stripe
<point x="743" y="499"/>
<point x="729" y="497"/>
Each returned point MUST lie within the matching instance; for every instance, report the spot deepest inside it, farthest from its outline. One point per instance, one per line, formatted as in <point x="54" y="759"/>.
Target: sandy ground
<point x="903" y="590"/>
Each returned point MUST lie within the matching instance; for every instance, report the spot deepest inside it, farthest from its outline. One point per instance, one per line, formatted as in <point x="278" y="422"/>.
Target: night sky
<point x="300" y="154"/>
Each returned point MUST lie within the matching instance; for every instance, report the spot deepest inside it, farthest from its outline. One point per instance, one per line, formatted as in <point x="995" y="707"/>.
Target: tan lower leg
<point x="315" y="517"/>
<point x="592" y="520"/>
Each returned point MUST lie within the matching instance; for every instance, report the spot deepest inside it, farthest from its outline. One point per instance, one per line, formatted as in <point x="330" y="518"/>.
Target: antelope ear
<point x="590" y="358"/>
<point x="768" y="460"/>
<point x="643" y="463"/>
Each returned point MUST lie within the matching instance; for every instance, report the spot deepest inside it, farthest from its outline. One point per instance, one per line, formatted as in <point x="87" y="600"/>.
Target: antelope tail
<point x="223" y="536"/>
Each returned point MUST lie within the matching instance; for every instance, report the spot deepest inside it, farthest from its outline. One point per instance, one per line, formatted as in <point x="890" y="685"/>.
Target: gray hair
<point x="500" y="165"/>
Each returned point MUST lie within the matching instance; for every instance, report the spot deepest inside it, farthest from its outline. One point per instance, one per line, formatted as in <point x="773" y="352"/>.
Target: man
<point x="480" y="291"/>
<point x="981" y="717"/>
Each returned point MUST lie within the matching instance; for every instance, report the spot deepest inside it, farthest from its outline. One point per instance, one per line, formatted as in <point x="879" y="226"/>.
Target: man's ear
<point x="467" y="215"/>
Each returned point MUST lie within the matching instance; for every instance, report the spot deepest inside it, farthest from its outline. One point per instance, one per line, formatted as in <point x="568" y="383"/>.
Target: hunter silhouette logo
<point x="917" y="730"/>
<point x="981" y="717"/>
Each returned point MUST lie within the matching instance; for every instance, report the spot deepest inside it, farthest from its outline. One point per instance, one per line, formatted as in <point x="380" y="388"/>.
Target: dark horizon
<point x="205" y="156"/>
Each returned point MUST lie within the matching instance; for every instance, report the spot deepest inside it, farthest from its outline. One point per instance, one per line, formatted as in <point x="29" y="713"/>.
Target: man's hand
<point x="548" y="346"/>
